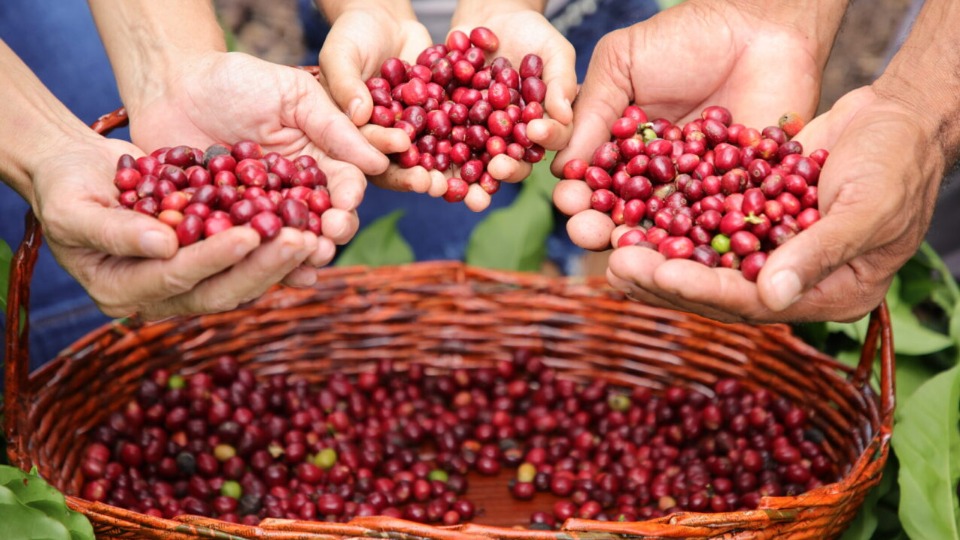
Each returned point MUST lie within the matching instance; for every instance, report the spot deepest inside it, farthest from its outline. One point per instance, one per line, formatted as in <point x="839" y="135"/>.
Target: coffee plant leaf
<point x="32" y="508"/>
<point x="515" y="237"/>
<point x="867" y="520"/>
<point x="927" y="443"/>
<point x="378" y="244"/>
<point x="911" y="336"/>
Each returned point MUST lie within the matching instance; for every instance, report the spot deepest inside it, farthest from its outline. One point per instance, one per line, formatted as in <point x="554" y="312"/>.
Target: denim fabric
<point x="58" y="40"/>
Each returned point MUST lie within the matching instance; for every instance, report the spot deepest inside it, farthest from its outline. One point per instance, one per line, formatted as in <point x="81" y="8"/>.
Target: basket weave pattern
<point x="451" y="316"/>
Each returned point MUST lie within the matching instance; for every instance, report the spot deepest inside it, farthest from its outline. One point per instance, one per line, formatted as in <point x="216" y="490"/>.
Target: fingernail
<point x="352" y="108"/>
<point x="786" y="289"/>
<point x="154" y="244"/>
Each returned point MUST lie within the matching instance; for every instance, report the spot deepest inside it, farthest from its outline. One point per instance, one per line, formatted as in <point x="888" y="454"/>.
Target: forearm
<point x="146" y="41"/>
<point x="32" y="124"/>
<point x="925" y="74"/>
<point x="468" y="10"/>
<point x="815" y="20"/>
<point x="395" y="9"/>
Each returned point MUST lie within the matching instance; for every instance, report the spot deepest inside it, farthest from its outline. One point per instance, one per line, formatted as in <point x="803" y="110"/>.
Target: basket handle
<point x="17" y="347"/>
<point x="879" y="328"/>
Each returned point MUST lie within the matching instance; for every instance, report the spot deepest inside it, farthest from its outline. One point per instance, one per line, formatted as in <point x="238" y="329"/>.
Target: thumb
<point x="117" y="231"/>
<point x="808" y="258"/>
<point x="605" y="93"/>
<point x="341" y="66"/>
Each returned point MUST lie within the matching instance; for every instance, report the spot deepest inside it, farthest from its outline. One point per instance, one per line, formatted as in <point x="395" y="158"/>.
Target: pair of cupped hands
<point x="876" y="194"/>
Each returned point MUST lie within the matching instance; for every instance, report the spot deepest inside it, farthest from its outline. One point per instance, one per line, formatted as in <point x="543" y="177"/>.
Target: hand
<point x="877" y="193"/>
<point x="227" y="97"/>
<point x="129" y="262"/>
<point x="753" y="64"/>
<point x="360" y="40"/>
<point x="538" y="37"/>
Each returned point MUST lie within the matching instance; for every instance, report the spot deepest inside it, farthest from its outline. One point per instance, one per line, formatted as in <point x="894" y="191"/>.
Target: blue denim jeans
<point x="58" y="40"/>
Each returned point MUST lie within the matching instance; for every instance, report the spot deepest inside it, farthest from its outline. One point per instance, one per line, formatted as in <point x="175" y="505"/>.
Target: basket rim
<point x="690" y="524"/>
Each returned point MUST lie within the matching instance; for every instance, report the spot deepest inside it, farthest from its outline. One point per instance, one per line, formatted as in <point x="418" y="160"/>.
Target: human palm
<point x="357" y="45"/>
<point x="129" y="262"/>
<point x="684" y="59"/>
<point x="228" y="97"/>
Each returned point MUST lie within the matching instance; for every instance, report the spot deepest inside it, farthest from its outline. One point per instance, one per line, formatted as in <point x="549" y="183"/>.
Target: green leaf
<point x="947" y="293"/>
<point x="856" y="331"/>
<point x="6" y="257"/>
<point x="32" y="508"/>
<point x="378" y="244"/>
<point x="927" y="442"/>
<point x="515" y="237"/>
<point x="955" y="324"/>
<point x="868" y="518"/>
<point x="911" y="336"/>
<point x="917" y="282"/>
<point x="912" y="373"/>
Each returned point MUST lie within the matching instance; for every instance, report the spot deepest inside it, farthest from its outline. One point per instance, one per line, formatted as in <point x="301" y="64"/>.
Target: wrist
<point x="816" y="21"/>
<point x="923" y="75"/>
<point x="150" y="44"/>
<point x="398" y="10"/>
<point x="37" y="127"/>
<point x="470" y="11"/>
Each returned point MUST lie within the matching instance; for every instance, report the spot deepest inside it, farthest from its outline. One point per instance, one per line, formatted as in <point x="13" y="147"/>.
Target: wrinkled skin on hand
<point x="228" y="97"/>
<point x="358" y="43"/>
<point x="129" y="262"/>
<point x="877" y="192"/>
<point x="559" y="58"/>
<point x="674" y="65"/>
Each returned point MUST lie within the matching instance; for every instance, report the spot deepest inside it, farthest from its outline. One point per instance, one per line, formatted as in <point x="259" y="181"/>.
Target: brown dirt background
<point x="270" y="30"/>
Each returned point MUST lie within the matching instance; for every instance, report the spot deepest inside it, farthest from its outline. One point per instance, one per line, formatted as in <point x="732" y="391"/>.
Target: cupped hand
<point x="674" y="65"/>
<point x="538" y="37"/>
<point x="877" y="192"/>
<point x="228" y="97"/>
<point x="360" y="40"/>
<point x="129" y="262"/>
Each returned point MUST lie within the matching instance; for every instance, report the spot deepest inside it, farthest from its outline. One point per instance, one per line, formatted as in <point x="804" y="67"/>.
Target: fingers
<point x="124" y="285"/>
<point x="245" y="281"/>
<point x="342" y="65"/>
<point x="415" y="179"/>
<point x="719" y="293"/>
<point x="606" y="92"/>
<point x="507" y="169"/>
<point x="109" y="230"/>
<point x="386" y="140"/>
<point x="345" y="182"/>
<point x="549" y="133"/>
<point x="339" y="225"/>
<point x="561" y="80"/>
<point x="590" y="229"/>
<point x="806" y="259"/>
<point x="477" y="200"/>
<point x="572" y="196"/>
<point x="333" y="132"/>
<point x="301" y="277"/>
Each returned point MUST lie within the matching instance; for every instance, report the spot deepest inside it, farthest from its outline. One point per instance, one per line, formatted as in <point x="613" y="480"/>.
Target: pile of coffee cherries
<point x="406" y="443"/>
<point x="202" y="193"/>
<point x="712" y="190"/>
<point x="459" y="110"/>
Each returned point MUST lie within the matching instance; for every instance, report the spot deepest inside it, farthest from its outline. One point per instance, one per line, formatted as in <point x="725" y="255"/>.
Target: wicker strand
<point x="451" y="316"/>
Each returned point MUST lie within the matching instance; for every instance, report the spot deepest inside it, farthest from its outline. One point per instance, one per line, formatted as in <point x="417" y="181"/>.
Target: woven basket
<point x="453" y="316"/>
